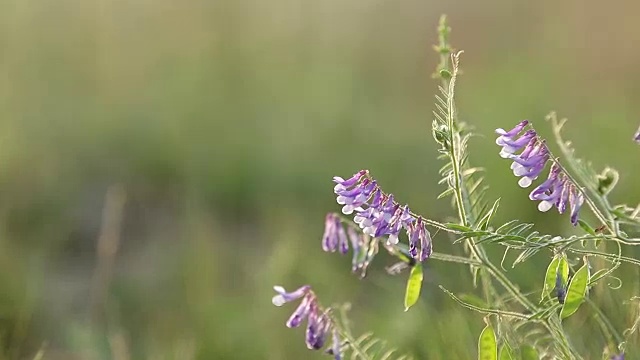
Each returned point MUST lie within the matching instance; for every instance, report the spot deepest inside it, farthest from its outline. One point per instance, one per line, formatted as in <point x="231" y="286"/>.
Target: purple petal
<point x="317" y="329"/>
<point x="330" y="236"/>
<point x="343" y="242"/>
<point x="575" y="201"/>
<point x="561" y="204"/>
<point x="285" y="297"/>
<point x="510" y="146"/>
<point x="335" y="346"/>
<point x="513" y="132"/>
<point x="343" y="184"/>
<point x="425" y="243"/>
<point x="301" y="312"/>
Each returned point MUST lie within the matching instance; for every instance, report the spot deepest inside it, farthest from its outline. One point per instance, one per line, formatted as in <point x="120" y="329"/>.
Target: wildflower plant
<point x="518" y="325"/>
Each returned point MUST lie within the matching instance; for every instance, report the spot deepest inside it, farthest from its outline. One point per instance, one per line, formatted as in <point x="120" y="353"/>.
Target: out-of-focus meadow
<point x="164" y="163"/>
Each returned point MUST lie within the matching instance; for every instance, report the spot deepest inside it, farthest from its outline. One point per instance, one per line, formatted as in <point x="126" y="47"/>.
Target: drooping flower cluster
<point x="364" y="247"/>
<point x="377" y="214"/>
<point x="319" y="324"/>
<point x="557" y="190"/>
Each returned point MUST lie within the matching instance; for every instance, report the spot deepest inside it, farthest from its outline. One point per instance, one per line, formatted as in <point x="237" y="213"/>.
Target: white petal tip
<point x="545" y="206"/>
<point x="278" y="300"/>
<point x="347" y="209"/>
<point x="524" y="182"/>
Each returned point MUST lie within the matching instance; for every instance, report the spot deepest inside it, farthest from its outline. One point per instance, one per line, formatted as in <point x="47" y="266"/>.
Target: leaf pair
<point x="574" y="294"/>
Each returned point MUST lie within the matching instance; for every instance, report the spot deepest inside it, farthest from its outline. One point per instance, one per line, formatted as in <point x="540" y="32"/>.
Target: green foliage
<point x="576" y="291"/>
<point x="414" y="284"/>
<point x="487" y="346"/>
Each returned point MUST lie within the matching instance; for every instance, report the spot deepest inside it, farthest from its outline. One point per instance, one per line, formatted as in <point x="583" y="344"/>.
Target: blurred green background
<point x="164" y="163"/>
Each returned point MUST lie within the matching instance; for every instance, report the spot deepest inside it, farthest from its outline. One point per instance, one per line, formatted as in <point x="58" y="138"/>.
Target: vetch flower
<point x="334" y="237"/>
<point x="319" y="323"/>
<point x="284" y="297"/>
<point x="317" y="327"/>
<point x="379" y="215"/>
<point x="418" y="234"/>
<point x="336" y="343"/>
<point x="557" y="190"/>
<point x="354" y="192"/>
<point x="301" y="312"/>
<point x="636" y="137"/>
<point x="617" y="356"/>
<point x="330" y="238"/>
<point x="576" y="199"/>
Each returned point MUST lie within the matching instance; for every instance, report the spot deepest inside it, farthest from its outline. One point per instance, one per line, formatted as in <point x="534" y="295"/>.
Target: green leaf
<point x="550" y="277"/>
<point x="576" y="292"/>
<point x="586" y="227"/>
<point x="487" y="347"/>
<point x="528" y="352"/>
<point x="458" y="227"/>
<point x="414" y="284"/>
<point x="483" y="224"/>
<point x="506" y="353"/>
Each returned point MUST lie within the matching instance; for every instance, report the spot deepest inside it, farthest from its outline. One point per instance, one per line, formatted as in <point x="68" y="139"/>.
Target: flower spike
<point x="557" y="190"/>
<point x="319" y="323"/>
<point x="379" y="215"/>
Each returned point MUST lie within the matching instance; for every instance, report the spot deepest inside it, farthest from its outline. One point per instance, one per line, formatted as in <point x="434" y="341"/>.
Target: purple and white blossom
<point x="557" y="190"/>
<point x="318" y="326"/>
<point x="284" y="297"/>
<point x="377" y="213"/>
<point x="336" y="343"/>
<point x="636" y="136"/>
<point x="319" y="323"/>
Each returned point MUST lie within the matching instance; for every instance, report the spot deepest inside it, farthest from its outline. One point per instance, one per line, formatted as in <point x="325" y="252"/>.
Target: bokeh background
<point x="164" y="163"/>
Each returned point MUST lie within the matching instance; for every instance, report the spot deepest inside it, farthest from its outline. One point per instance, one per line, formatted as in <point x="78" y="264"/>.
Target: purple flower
<point x="330" y="238"/>
<point x="353" y="198"/>
<point x="636" y="137"/>
<point x="284" y="297"/>
<point x="335" y="346"/>
<point x="317" y="328"/>
<point x="513" y="132"/>
<point x="302" y="311"/>
<point x="617" y="356"/>
<point x="379" y="215"/>
<point x="530" y="163"/>
<point x="356" y="246"/>
<point x="575" y="201"/>
<point x="510" y="146"/>
<point x="319" y="323"/>
<point x="417" y="233"/>
<point x="557" y="190"/>
<point x="343" y="184"/>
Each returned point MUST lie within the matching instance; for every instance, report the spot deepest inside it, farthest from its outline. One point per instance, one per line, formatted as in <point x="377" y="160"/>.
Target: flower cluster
<point x="319" y="324"/>
<point x="377" y="214"/>
<point x="364" y="248"/>
<point x="636" y="136"/>
<point x="557" y="190"/>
